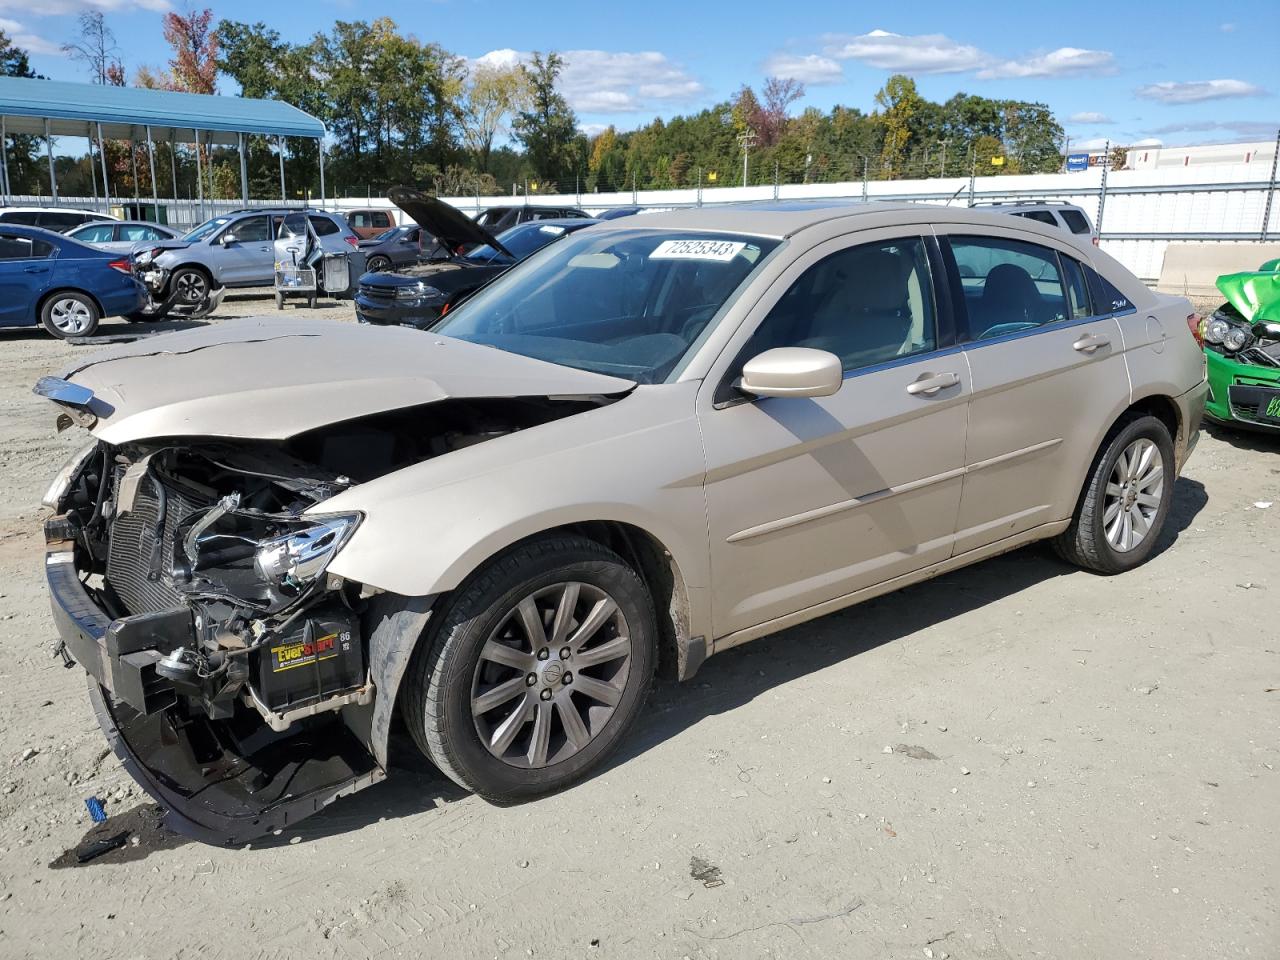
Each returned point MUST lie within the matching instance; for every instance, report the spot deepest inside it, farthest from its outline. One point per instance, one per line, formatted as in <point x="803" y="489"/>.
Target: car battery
<point x="319" y="657"/>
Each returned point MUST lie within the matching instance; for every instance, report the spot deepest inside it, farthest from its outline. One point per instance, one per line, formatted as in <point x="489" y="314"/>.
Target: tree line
<point x="402" y="110"/>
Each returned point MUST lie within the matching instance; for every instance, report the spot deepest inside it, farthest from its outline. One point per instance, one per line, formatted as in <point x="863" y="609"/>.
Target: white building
<point x="1255" y="156"/>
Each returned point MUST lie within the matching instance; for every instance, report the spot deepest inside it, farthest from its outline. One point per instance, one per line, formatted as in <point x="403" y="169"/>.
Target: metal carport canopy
<point x="74" y="110"/>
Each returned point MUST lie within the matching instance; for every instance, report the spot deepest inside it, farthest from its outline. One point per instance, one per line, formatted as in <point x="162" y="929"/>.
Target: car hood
<point x="447" y="224"/>
<point x="263" y="378"/>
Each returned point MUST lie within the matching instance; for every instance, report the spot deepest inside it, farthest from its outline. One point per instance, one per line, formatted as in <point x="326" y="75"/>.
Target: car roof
<point x="785" y="218"/>
<point x="124" y="223"/>
<point x="43" y="233"/>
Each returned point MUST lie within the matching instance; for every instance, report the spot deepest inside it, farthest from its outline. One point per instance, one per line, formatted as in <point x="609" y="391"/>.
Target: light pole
<point x="748" y="140"/>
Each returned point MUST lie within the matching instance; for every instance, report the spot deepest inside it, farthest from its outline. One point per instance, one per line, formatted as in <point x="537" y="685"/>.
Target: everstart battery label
<point x="304" y="653"/>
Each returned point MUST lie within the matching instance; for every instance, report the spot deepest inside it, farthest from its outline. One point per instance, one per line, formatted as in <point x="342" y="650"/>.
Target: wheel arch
<point x="55" y="291"/>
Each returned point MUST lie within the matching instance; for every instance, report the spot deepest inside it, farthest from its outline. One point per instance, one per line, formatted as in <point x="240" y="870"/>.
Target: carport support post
<point x="1266" y="208"/>
<point x="53" y="176"/>
<point x="199" y="175"/>
<point x="320" y="149"/>
<point x="4" y="159"/>
<point x="244" y="170"/>
<point x="151" y="161"/>
<point x="102" y="158"/>
<point x="133" y="158"/>
<point x="280" y="145"/>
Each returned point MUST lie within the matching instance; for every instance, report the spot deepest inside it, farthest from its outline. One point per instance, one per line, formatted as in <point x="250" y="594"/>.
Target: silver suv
<point x="1064" y="216"/>
<point x="237" y="250"/>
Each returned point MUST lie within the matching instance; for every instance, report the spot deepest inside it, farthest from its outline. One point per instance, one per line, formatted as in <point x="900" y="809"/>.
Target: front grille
<point x="132" y="542"/>
<point x="378" y="291"/>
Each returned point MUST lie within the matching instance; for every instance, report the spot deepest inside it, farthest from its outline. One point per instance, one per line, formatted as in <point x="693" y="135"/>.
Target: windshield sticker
<point x="553" y="230"/>
<point x="721" y="250"/>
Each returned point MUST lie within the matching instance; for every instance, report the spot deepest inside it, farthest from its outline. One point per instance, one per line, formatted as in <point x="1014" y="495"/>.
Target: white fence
<point x="1139" y="212"/>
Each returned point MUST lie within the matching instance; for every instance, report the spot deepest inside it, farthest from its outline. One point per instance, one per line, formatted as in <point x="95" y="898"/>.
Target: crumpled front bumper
<point x="1242" y="394"/>
<point x="220" y="781"/>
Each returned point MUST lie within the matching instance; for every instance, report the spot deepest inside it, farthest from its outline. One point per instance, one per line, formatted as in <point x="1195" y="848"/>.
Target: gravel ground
<point x="1015" y="760"/>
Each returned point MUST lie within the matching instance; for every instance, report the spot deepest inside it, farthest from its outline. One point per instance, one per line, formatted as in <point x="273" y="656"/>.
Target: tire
<point x="377" y="264"/>
<point x="1096" y="539"/>
<point x="454" y="689"/>
<point x="192" y="283"/>
<point x="69" y="314"/>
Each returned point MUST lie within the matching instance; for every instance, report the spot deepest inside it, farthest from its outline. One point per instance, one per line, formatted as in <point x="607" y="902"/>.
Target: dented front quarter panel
<point x="636" y="461"/>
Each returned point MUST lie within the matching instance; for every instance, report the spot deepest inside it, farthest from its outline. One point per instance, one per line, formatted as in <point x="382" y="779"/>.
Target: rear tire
<point x="1125" y="501"/>
<point x="535" y="670"/>
<point x="69" y="314"/>
<point x="378" y="264"/>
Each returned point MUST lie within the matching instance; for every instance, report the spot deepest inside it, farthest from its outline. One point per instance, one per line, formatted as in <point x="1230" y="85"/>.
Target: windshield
<point x="524" y="240"/>
<point x="206" y="228"/>
<point x="630" y="303"/>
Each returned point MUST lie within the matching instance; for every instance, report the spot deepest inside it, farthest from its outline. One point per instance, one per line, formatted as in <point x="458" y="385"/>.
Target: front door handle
<point x="1091" y="342"/>
<point x="927" y="384"/>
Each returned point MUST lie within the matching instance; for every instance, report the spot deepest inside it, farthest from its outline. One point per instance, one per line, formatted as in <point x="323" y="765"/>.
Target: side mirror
<point x="227" y="239"/>
<point x="792" y="372"/>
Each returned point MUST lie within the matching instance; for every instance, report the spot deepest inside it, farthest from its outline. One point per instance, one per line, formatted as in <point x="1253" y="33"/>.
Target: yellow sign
<point x="712" y="176"/>
<point x="997" y="161"/>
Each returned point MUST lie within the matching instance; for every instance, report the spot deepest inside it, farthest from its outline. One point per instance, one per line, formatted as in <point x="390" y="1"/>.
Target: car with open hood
<point x="1242" y="351"/>
<point x="463" y="257"/>
<point x="657" y="439"/>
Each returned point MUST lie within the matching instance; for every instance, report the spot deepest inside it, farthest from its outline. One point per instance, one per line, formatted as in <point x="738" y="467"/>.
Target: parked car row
<point x="654" y="439"/>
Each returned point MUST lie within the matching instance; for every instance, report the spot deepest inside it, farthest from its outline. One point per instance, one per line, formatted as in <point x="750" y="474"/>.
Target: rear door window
<point x="1076" y="221"/>
<point x="1009" y="285"/>
<point x="13" y="247"/>
<point x="1106" y="298"/>
<point x="323" y="226"/>
<point x="379" y="218"/>
<point x="1077" y="289"/>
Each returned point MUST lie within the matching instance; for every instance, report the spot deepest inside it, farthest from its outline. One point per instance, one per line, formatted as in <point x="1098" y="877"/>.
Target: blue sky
<point x="1173" y="72"/>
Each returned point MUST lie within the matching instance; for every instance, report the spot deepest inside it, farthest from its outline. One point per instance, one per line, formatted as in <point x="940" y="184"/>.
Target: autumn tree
<point x="491" y="94"/>
<point x="194" y="64"/>
<point x="898" y="102"/>
<point x="95" y="46"/>
<point x="778" y="95"/>
<point x="547" y="126"/>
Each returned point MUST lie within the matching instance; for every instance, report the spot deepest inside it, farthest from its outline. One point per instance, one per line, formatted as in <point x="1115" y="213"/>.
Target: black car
<point x="497" y="219"/>
<point x="420" y="294"/>
<point x="398" y="247"/>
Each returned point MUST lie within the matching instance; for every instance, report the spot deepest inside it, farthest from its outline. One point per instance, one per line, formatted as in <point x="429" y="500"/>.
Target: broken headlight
<point x="294" y="561"/>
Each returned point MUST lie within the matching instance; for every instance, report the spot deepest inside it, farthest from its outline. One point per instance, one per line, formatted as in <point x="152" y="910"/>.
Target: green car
<point x="1242" y="350"/>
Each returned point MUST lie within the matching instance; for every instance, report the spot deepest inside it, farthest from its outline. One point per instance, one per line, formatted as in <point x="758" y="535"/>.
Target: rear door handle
<point x="927" y="384"/>
<point x="1091" y="342"/>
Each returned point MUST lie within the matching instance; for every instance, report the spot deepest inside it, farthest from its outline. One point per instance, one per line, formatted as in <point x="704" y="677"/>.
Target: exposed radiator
<point x="129" y="558"/>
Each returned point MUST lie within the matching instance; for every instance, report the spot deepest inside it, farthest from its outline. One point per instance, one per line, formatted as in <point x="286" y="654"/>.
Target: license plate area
<point x="1260" y="404"/>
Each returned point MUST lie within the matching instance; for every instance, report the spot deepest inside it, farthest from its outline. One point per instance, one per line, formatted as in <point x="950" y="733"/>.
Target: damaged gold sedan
<point x="654" y="440"/>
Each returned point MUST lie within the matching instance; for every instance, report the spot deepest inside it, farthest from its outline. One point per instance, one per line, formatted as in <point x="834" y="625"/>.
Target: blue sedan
<point x="66" y="286"/>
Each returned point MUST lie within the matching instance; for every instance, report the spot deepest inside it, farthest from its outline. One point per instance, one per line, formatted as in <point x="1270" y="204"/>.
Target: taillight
<point x="124" y="266"/>
<point x="1194" y="325"/>
<point x="353" y="240"/>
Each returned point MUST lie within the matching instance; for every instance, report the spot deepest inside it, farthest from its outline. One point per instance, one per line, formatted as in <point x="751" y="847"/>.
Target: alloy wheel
<point x="551" y="675"/>
<point x="191" y="286"/>
<point x="71" y="316"/>
<point x="1134" y="495"/>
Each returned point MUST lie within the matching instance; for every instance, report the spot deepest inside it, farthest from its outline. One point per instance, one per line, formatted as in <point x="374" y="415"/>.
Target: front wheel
<point x="1125" y="501"/>
<point x="191" y="284"/>
<point x="535" y="671"/>
<point x="69" y="314"/>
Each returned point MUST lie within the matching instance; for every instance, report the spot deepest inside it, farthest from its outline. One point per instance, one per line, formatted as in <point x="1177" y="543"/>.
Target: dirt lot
<point x="1016" y="760"/>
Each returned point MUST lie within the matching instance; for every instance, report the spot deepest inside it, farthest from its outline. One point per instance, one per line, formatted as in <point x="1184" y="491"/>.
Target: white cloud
<point x="926" y="53"/>
<point x="58" y="8"/>
<point x="1227" y="27"/>
<point x="810" y="69"/>
<point x="938" y="53"/>
<point x="604" y="81"/>
<point x="1239" y="130"/>
<point x="1148" y="142"/>
<point x="1092" y="143"/>
<point x="1056" y="63"/>
<point x="1196" y="91"/>
<point x="1090" y="116"/>
<point x="27" y="40"/>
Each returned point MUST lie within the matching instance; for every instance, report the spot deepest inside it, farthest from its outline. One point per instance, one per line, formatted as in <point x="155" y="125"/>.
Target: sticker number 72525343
<point x="723" y="250"/>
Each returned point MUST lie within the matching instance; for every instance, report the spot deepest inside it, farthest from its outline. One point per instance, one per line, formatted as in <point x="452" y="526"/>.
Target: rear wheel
<point x="537" y="668"/>
<point x="70" y="314"/>
<point x="378" y="264"/>
<point x="1126" y="500"/>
